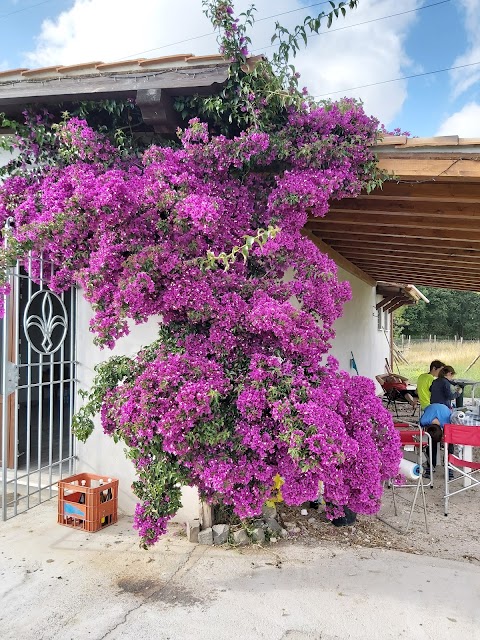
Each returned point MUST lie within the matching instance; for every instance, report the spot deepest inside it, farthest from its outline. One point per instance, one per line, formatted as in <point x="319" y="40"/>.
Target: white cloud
<point x="464" y="79"/>
<point x="464" y="123"/>
<point x="110" y="30"/>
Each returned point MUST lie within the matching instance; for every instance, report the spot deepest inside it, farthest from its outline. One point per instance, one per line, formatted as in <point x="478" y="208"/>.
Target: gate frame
<point x="10" y="388"/>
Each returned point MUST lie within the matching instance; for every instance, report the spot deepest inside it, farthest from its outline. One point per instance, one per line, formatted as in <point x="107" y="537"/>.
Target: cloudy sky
<point x="379" y="44"/>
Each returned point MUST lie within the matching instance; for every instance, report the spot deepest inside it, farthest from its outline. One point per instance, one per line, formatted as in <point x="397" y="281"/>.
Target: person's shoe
<point x="427" y="473"/>
<point x="349" y="518"/>
<point x="450" y="475"/>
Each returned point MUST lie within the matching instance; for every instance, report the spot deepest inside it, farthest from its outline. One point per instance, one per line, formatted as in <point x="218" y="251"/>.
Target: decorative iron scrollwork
<point x="46" y="323"/>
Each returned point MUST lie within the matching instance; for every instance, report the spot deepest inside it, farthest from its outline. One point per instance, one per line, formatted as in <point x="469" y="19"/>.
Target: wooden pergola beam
<point x="392" y="231"/>
<point x="416" y="208"/>
<point x="339" y="260"/>
<point x="435" y="191"/>
<point x="384" y="301"/>
<point x="351" y="250"/>
<point x="397" y="221"/>
<point x="398" y="299"/>
<point x="337" y="235"/>
<point x="419" y="259"/>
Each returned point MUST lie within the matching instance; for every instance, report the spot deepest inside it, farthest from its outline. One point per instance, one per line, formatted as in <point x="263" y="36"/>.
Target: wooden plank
<point x="392" y="231"/>
<point x="340" y="237"/>
<point x="418" y="275"/>
<point x="435" y="141"/>
<point x="431" y="189"/>
<point x="398" y="220"/>
<point x="426" y="280"/>
<point x="398" y="299"/>
<point x="384" y="301"/>
<point x="388" y="141"/>
<point x="424" y="168"/>
<point x="417" y="258"/>
<point x="468" y="275"/>
<point x="392" y="206"/>
<point x="339" y="259"/>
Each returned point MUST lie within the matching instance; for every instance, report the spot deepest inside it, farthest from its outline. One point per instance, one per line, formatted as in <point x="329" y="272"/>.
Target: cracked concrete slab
<point x="58" y="584"/>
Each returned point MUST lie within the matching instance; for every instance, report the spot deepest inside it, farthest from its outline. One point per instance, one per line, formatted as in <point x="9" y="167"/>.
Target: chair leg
<point x="445" y="497"/>
<point x="424" y="506"/>
<point x="414" y="501"/>
<point x="394" y="500"/>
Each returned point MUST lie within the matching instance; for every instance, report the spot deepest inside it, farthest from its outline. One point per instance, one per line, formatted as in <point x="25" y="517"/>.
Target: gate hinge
<point x="11" y="377"/>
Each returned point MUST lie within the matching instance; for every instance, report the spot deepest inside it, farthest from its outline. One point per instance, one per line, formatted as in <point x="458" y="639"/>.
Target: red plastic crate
<point x="100" y="508"/>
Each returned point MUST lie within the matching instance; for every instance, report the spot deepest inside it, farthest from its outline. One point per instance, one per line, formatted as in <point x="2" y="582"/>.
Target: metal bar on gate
<point x="29" y="391"/>
<point x="61" y="400"/>
<point x="15" y="294"/>
<point x="50" y="406"/>
<point x="5" y="401"/>
<point x="40" y="398"/>
<point x="71" y="407"/>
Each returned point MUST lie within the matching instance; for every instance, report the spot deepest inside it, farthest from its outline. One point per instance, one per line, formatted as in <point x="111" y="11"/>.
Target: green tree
<point x="448" y="313"/>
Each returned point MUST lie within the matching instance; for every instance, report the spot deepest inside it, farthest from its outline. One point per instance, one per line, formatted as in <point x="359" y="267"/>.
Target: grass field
<point x="459" y="356"/>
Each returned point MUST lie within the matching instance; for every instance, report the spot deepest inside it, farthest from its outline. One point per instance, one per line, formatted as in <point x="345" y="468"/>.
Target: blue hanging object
<point x="353" y="364"/>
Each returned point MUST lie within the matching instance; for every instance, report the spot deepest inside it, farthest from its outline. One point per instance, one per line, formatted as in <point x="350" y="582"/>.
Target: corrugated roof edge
<point x="140" y="65"/>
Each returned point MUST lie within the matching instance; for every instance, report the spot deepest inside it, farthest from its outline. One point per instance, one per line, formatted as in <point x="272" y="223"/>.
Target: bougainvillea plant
<point x="206" y="236"/>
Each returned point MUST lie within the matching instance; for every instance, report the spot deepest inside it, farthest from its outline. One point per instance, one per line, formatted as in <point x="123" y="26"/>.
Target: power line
<point x="358" y="24"/>
<point x="414" y="75"/>
<point x="277" y="15"/>
<point x="32" y="6"/>
<point x="212" y="33"/>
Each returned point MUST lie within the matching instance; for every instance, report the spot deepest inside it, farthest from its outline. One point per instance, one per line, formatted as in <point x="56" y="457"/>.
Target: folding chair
<point x="462" y="436"/>
<point x="392" y="394"/>
<point x="413" y="438"/>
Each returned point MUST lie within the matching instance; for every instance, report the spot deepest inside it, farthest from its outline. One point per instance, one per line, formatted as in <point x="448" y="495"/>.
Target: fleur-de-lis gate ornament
<point x="46" y="323"/>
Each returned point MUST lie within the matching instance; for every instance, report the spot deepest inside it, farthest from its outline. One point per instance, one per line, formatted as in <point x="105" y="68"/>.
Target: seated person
<point x="443" y="391"/>
<point x="433" y="420"/>
<point x="425" y="381"/>
<point x="390" y="381"/>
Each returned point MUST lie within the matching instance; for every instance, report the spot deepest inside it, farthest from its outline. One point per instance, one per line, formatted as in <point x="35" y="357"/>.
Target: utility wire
<point x="358" y="24"/>
<point x="212" y="33"/>
<point x="414" y="75"/>
<point x="32" y="6"/>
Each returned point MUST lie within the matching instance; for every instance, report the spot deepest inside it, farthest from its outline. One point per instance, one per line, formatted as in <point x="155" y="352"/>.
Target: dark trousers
<point x="434" y="452"/>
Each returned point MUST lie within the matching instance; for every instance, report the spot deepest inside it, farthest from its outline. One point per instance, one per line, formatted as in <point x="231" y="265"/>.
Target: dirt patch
<point x="456" y="537"/>
<point x="154" y="590"/>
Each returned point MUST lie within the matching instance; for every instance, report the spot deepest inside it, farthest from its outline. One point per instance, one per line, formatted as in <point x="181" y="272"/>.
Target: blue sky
<point x="49" y="32"/>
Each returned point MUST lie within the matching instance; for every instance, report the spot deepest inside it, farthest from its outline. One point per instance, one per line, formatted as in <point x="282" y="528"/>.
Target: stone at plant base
<point x="205" y="536"/>
<point x="273" y="525"/>
<point x="258" y="534"/>
<point x="193" y="529"/>
<point x="220" y="533"/>
<point x="240" y="537"/>
<point x="284" y="533"/>
<point x="269" y="512"/>
<point x="257" y="523"/>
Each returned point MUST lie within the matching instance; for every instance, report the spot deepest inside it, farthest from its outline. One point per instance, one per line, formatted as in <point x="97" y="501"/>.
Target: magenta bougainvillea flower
<point x="207" y="238"/>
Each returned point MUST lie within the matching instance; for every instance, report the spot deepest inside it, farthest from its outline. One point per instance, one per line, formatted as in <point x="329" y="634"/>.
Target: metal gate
<point x="38" y="388"/>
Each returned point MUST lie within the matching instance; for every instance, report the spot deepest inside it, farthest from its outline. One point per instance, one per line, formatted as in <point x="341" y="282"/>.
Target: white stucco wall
<point x="100" y="454"/>
<point x="357" y="331"/>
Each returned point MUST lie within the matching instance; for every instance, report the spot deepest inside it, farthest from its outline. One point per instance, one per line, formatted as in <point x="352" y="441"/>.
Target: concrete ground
<point x="61" y="584"/>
